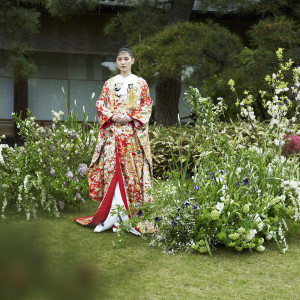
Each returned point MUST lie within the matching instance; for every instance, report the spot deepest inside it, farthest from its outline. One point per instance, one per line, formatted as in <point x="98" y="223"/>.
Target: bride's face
<point x="124" y="61"/>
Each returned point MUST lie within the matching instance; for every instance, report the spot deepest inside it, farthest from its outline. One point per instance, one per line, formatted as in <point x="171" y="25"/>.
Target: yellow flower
<point x="279" y="53"/>
<point x="231" y="84"/>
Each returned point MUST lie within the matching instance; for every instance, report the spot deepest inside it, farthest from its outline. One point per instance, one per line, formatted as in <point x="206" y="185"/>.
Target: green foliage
<point x="275" y="7"/>
<point x="239" y="198"/>
<point x="249" y="69"/>
<point x="275" y="32"/>
<point x="19" y="19"/>
<point x="131" y="23"/>
<point x="21" y="63"/>
<point x="206" y="47"/>
<point x="65" y="9"/>
<point x="49" y="171"/>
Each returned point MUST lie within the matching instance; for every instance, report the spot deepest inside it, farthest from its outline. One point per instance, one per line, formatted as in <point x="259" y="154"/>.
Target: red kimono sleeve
<point x="103" y="107"/>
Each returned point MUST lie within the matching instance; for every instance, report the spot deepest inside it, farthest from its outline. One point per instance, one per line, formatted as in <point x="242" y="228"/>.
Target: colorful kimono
<point x="121" y="168"/>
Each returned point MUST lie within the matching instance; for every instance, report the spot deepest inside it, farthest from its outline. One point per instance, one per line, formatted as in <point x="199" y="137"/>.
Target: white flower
<point x="219" y="206"/>
<point x="251" y="235"/>
<point x="93" y="95"/>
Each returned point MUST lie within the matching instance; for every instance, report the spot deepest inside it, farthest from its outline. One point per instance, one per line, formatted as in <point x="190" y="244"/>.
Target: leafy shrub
<point x="49" y="171"/>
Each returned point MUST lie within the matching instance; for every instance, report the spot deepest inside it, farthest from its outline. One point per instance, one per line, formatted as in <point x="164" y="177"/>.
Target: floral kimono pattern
<point x="122" y="152"/>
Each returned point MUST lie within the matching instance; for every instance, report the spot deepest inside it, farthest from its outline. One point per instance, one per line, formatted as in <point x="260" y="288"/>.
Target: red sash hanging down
<point x="104" y="208"/>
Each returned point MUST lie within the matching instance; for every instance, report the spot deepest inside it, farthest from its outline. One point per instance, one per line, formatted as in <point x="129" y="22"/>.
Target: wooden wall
<point x="80" y="34"/>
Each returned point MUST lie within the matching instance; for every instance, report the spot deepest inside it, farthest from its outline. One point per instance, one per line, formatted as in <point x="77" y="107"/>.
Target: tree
<point x="247" y="66"/>
<point x="207" y="49"/>
<point x="17" y="19"/>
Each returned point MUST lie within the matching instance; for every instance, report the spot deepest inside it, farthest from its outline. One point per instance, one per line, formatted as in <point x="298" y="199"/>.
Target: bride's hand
<point x="125" y="119"/>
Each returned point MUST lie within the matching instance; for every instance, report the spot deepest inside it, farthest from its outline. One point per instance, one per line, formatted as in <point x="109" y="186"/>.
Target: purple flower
<point x="222" y="172"/>
<point x="65" y="184"/>
<point x="246" y="181"/>
<point x="195" y="206"/>
<point x="179" y="208"/>
<point x="83" y="169"/>
<point x="196" y="187"/>
<point x="174" y="223"/>
<point x="186" y="203"/>
<point x="178" y="218"/>
<point x="170" y="249"/>
<point x="76" y="179"/>
<point x="238" y="184"/>
<point x="52" y="172"/>
<point x="140" y="213"/>
<point x="157" y="219"/>
<point x="160" y="237"/>
<point x="69" y="174"/>
<point x="212" y="177"/>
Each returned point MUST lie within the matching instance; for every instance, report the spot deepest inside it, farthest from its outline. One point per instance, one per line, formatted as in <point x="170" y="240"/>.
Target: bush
<point x="49" y="171"/>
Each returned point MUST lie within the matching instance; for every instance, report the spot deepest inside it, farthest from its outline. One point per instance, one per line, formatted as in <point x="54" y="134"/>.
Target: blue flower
<point x="238" y="184"/>
<point x="195" y="206"/>
<point x="160" y="237"/>
<point x="196" y="187"/>
<point x="140" y="213"/>
<point x="186" y="203"/>
<point x="178" y="218"/>
<point x="174" y="223"/>
<point x="179" y="208"/>
<point x="170" y="249"/>
<point x="246" y="181"/>
<point x="157" y="219"/>
<point x="222" y="172"/>
<point x="212" y="177"/>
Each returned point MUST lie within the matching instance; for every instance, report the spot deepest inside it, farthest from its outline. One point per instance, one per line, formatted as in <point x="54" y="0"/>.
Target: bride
<point x="121" y="168"/>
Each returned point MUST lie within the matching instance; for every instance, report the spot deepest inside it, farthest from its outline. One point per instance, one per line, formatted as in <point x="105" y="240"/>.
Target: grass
<point x="140" y="272"/>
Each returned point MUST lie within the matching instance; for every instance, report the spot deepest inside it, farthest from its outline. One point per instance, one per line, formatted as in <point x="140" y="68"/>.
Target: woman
<point x="121" y="168"/>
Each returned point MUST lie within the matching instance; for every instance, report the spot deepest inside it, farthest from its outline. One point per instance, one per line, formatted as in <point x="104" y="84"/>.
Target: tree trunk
<point x="168" y="89"/>
<point x="180" y="11"/>
<point x="167" y="99"/>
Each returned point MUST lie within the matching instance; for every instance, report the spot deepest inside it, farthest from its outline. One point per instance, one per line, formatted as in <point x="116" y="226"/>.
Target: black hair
<point x="125" y="48"/>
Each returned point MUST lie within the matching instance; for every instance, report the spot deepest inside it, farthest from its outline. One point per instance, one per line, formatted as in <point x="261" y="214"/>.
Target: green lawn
<point x="140" y="272"/>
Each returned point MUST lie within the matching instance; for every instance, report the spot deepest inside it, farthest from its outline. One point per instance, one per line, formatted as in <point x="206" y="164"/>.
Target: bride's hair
<point x="125" y="48"/>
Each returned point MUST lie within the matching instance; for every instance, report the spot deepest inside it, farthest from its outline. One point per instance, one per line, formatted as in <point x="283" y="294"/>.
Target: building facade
<point x="73" y="56"/>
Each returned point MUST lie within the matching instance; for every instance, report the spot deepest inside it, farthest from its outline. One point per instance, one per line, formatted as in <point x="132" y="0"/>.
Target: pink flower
<point x="292" y="144"/>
